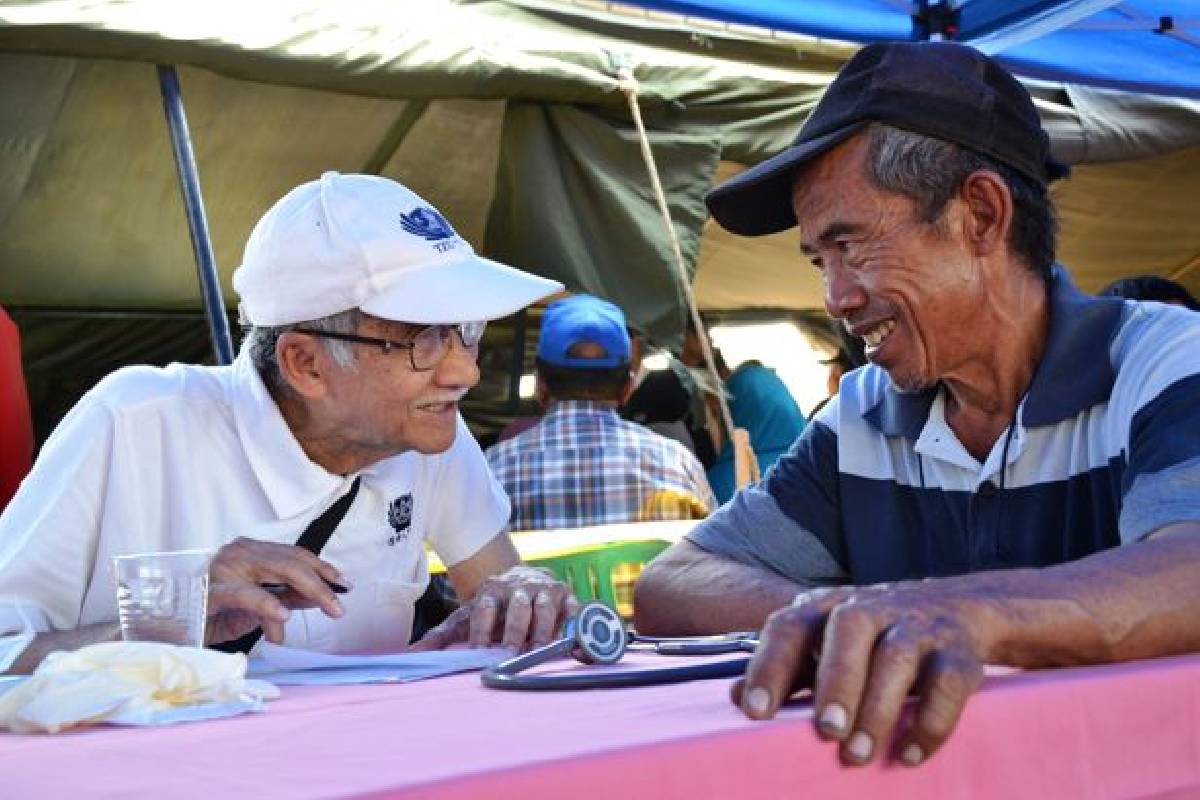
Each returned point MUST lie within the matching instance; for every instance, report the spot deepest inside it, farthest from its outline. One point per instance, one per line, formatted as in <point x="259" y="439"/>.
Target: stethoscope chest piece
<point x="598" y="633"/>
<point x="596" y="636"/>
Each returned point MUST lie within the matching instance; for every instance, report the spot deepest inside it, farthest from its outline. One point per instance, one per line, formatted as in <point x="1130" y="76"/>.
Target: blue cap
<point x="583" y="318"/>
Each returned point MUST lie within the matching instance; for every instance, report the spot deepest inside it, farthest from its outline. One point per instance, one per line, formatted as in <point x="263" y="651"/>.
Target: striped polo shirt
<point x="1104" y="449"/>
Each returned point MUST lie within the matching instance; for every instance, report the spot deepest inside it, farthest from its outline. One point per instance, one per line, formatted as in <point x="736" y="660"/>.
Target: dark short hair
<point x="929" y="171"/>
<point x="1151" y="287"/>
<point x="579" y="383"/>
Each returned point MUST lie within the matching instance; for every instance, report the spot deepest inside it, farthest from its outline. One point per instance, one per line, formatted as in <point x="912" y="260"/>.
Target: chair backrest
<point x="671" y="504"/>
<point x="745" y="463"/>
<point x="16" y="424"/>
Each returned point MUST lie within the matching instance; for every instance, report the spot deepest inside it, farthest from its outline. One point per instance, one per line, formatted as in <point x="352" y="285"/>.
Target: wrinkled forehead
<point x="830" y="173"/>
<point x="832" y="186"/>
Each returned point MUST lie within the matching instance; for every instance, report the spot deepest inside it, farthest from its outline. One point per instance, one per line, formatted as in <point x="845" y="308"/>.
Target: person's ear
<point x="626" y="390"/>
<point x="303" y="363"/>
<point x="541" y="393"/>
<point x="988" y="212"/>
<point x="637" y="350"/>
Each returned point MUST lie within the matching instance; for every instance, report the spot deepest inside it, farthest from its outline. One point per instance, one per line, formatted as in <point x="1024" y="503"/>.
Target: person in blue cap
<point x="583" y="464"/>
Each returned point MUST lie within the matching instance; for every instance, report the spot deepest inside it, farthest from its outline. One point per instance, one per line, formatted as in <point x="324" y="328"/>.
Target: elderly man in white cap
<point x="338" y="421"/>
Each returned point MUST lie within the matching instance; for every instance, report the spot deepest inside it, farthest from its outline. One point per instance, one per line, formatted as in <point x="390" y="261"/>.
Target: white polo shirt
<point x="194" y="457"/>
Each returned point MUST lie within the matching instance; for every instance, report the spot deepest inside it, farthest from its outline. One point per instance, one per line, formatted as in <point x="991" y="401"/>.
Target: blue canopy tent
<point x="1148" y="46"/>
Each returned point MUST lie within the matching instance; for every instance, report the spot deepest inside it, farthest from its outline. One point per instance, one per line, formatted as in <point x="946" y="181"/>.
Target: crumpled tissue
<point x="132" y="683"/>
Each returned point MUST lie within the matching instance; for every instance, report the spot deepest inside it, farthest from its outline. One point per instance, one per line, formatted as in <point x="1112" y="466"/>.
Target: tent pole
<point x="517" y="368"/>
<point x="193" y="206"/>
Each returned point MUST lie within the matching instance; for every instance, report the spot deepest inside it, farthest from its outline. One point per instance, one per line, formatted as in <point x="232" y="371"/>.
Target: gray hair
<point x="929" y="171"/>
<point x="261" y="343"/>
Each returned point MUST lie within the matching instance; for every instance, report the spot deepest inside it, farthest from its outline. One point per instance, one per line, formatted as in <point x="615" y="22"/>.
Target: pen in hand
<point x="280" y="588"/>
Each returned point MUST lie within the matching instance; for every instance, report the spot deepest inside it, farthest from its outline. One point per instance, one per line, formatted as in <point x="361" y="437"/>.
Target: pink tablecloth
<point x="1124" y="731"/>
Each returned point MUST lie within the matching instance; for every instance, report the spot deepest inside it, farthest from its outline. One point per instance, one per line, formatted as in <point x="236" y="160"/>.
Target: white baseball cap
<point x="362" y="241"/>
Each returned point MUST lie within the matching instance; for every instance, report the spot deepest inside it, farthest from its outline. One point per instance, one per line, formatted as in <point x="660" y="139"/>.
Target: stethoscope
<point x="596" y="636"/>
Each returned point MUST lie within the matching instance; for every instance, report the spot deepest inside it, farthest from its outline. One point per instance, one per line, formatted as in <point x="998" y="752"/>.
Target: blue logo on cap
<point x="427" y="223"/>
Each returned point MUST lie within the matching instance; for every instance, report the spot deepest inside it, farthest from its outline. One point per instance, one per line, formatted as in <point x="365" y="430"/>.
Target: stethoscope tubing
<point x="595" y="636"/>
<point x="620" y="679"/>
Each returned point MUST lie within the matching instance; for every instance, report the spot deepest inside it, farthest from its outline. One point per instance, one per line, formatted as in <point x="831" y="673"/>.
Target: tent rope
<point x="745" y="463"/>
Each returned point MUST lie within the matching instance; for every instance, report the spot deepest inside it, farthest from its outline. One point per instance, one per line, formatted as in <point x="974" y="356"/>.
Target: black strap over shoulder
<point x="320" y="529"/>
<point x="314" y="538"/>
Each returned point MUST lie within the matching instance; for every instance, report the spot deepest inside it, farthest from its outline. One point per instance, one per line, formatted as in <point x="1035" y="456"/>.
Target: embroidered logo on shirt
<point x="400" y="518"/>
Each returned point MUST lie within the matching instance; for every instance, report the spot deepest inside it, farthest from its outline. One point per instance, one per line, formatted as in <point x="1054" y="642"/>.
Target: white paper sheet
<point x="288" y="666"/>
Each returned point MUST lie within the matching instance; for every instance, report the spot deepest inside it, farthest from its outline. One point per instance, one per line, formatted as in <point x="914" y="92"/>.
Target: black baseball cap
<point x="941" y="89"/>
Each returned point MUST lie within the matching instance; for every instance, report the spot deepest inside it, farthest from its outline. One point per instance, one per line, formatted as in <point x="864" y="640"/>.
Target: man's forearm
<point x="1136" y="601"/>
<point x="687" y="591"/>
<point x="494" y="558"/>
<point x="46" y="643"/>
<point x="862" y="650"/>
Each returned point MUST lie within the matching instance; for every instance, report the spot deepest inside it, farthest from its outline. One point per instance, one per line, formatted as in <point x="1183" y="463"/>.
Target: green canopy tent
<point x="506" y="115"/>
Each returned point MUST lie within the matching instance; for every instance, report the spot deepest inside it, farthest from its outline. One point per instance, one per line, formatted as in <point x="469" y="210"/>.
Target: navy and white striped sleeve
<point x="1158" y="386"/>
<point x="783" y="523"/>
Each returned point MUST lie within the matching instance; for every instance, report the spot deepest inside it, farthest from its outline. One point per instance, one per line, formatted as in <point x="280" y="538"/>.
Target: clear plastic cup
<point x="163" y="597"/>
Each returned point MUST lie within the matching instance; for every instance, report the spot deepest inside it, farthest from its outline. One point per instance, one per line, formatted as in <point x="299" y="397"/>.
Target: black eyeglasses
<point x="425" y="350"/>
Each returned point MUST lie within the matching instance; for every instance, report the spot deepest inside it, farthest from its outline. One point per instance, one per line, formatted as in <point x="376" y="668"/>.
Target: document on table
<point x="288" y="666"/>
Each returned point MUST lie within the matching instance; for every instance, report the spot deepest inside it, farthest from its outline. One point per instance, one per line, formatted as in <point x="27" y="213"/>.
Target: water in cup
<point x="163" y="597"/>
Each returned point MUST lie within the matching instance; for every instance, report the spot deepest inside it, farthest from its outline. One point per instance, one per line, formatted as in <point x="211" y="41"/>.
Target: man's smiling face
<point x="387" y="407"/>
<point x="908" y="288"/>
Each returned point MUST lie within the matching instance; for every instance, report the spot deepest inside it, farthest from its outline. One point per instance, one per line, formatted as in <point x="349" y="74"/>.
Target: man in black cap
<point x="1013" y="478"/>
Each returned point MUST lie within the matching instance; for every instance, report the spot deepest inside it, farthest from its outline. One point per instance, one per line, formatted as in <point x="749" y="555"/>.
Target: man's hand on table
<point x="862" y="651"/>
<point x="238" y="603"/>
<point x="521" y="609"/>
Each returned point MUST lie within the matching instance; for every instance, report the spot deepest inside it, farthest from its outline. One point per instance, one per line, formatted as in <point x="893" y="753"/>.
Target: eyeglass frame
<point x="388" y="345"/>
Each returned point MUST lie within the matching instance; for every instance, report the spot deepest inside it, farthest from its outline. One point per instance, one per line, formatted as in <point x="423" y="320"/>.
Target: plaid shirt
<point x="584" y="465"/>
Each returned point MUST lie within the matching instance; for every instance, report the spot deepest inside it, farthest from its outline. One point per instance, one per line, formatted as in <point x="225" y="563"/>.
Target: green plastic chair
<point x="590" y="573"/>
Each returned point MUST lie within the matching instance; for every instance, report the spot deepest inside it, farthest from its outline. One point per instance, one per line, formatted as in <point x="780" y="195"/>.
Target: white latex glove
<point x="132" y="683"/>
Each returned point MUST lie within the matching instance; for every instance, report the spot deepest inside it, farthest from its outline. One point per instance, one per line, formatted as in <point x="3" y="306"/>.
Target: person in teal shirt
<point x="759" y="402"/>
